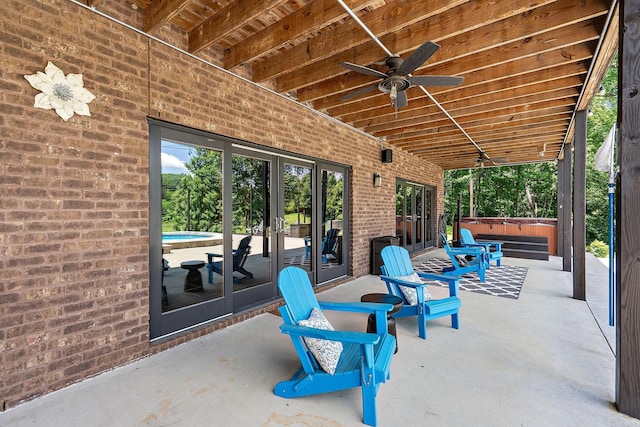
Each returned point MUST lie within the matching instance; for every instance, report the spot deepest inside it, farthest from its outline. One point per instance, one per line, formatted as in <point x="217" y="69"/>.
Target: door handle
<point x="278" y="225"/>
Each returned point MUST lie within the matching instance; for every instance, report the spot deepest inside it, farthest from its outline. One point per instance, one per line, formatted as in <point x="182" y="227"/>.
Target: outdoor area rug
<point x="306" y="262"/>
<point x="505" y="281"/>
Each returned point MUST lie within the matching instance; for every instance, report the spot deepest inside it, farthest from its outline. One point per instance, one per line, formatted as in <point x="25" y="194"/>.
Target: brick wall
<point x="74" y="282"/>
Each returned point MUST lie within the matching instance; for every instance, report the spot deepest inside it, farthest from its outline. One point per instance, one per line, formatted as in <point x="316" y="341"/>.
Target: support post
<point x="627" y="206"/>
<point x="560" y="205"/>
<point x="580" y="207"/>
<point x="565" y="208"/>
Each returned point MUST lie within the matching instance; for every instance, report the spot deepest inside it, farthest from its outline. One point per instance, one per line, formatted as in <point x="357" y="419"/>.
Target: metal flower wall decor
<point x="66" y="95"/>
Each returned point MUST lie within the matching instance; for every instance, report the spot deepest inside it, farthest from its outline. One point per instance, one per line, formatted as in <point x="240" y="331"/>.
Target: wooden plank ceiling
<point x="527" y="65"/>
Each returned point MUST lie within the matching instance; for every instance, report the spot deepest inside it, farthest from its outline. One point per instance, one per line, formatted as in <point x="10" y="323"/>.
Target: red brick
<point x="74" y="202"/>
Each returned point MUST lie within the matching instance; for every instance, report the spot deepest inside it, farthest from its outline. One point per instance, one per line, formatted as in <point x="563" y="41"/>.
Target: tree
<point x="530" y="190"/>
<point x="602" y="116"/>
<point x="196" y="202"/>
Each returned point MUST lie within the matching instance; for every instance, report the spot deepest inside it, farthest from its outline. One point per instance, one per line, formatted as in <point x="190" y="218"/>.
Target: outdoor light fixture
<point x="393" y="94"/>
<point x="377" y="180"/>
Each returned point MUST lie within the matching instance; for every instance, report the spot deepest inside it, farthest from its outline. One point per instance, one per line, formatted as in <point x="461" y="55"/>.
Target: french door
<point x="312" y="213"/>
<point x="226" y="218"/>
<point x="414" y="208"/>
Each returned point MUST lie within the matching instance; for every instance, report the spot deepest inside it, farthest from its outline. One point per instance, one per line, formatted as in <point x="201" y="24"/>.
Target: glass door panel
<point x="296" y="219"/>
<point x="191" y="192"/>
<point x="409" y="204"/>
<point x="332" y="242"/>
<point x="428" y="216"/>
<point x="417" y="217"/>
<point x="400" y="196"/>
<point x="251" y="264"/>
<point x="413" y="213"/>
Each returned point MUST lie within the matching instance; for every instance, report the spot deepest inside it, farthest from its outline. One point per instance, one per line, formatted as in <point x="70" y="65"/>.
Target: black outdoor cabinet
<point x="377" y="243"/>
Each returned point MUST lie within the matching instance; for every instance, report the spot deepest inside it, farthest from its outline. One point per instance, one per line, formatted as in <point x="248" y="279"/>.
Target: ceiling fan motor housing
<point x="400" y="83"/>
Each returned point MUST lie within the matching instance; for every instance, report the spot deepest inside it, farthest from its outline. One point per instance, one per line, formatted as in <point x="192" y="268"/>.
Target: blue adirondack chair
<point x="396" y="271"/>
<point x="478" y="262"/>
<point x="239" y="257"/>
<point x="365" y="360"/>
<point x="467" y="240"/>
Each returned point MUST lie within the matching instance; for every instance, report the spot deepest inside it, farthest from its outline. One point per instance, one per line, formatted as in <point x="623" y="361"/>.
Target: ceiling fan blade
<point x="435" y="80"/>
<point x="401" y="100"/>
<point x="417" y="58"/>
<point x="359" y="92"/>
<point x="363" y="70"/>
<point x="497" y="160"/>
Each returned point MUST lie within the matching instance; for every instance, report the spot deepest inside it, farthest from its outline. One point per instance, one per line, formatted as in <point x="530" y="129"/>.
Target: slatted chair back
<point x="493" y="249"/>
<point x="478" y="262"/>
<point x="400" y="277"/>
<point x="240" y="255"/>
<point x="365" y="359"/>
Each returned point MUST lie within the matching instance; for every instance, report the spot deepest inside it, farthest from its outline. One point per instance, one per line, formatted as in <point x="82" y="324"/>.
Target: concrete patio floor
<point x="544" y="359"/>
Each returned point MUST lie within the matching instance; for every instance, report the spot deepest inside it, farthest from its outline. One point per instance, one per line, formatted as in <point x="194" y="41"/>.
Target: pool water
<point x="189" y="239"/>
<point x="184" y="236"/>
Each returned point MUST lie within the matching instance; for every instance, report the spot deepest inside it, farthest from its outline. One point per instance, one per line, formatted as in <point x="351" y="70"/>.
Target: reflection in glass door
<point x="225" y="218"/>
<point x="191" y="223"/>
<point x="413" y="215"/>
<point x="186" y="222"/>
<point x="294" y="224"/>
<point x="332" y="242"/>
<point x="251" y="263"/>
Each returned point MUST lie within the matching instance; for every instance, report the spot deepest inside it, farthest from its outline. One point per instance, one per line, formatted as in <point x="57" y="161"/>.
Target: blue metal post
<point x="611" y="266"/>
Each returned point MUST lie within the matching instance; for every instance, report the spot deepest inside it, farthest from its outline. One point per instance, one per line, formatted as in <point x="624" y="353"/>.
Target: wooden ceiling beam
<point x="472" y="122"/>
<point x="563" y="46"/>
<point x="473" y="15"/>
<point x="496" y="88"/>
<point x="541" y="92"/>
<point x="550" y="121"/>
<point x="523" y="29"/>
<point x="388" y="20"/>
<point x="159" y="13"/>
<point x="421" y="142"/>
<point x="306" y="20"/>
<point x="543" y="108"/>
<point x="534" y="144"/>
<point x="231" y="18"/>
<point x="380" y="105"/>
<point x="497" y="142"/>
<point x="510" y="34"/>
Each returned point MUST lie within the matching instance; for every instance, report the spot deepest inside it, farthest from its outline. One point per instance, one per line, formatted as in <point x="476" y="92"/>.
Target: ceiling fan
<point x="483" y="158"/>
<point x="397" y="79"/>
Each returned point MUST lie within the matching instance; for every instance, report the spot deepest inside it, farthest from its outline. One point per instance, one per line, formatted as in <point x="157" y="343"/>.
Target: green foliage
<point x="194" y="201"/>
<point x="602" y="117"/>
<point x="502" y="191"/>
<point x="598" y="249"/>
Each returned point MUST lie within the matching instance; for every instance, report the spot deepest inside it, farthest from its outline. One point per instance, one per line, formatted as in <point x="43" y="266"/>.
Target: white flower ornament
<point x="66" y="95"/>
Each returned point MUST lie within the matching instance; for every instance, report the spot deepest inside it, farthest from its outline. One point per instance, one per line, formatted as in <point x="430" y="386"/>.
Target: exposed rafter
<point x="526" y="65"/>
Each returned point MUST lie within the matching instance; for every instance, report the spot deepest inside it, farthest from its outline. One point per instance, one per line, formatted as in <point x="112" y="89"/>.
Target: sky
<point x="174" y="156"/>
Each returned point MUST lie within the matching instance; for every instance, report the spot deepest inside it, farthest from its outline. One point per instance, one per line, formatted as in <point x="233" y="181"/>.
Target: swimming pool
<point x="189" y="239"/>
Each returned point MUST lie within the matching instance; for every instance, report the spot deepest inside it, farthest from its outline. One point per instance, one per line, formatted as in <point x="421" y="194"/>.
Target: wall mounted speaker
<point x="387" y="156"/>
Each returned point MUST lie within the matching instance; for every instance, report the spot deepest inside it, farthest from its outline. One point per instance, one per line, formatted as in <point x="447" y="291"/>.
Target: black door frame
<point x="167" y="323"/>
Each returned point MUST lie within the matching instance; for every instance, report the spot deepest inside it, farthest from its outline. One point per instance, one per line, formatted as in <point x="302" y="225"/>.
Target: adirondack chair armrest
<point x="438" y="277"/>
<point x="476" y="245"/>
<point x="467" y="251"/>
<point x="402" y="282"/>
<point x="356" y="307"/>
<point x="452" y="281"/>
<point x="341" y="336"/>
<point x="498" y="245"/>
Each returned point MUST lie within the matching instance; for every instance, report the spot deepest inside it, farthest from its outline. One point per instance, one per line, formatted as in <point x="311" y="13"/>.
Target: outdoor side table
<point x="391" y="321"/>
<point x="193" y="281"/>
